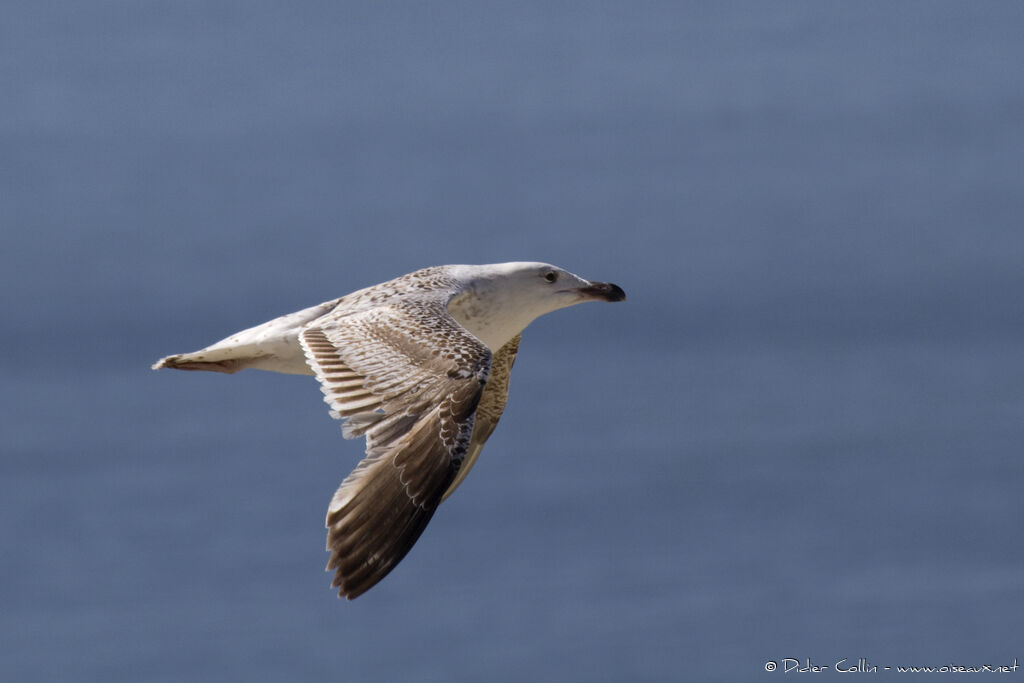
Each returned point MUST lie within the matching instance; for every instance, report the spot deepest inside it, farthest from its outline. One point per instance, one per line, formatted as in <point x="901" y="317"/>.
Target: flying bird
<point x="419" y="366"/>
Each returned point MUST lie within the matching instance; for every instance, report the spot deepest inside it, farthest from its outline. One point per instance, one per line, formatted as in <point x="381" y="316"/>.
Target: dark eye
<point x="551" y="276"/>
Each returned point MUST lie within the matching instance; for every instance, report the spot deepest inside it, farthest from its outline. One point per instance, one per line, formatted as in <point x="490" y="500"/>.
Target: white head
<point x="499" y="300"/>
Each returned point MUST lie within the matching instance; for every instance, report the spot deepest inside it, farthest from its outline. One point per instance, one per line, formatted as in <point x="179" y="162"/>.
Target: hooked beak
<point x="602" y="291"/>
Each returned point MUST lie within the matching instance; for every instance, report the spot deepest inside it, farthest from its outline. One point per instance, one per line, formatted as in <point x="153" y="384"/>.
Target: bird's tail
<point x="272" y="346"/>
<point x="198" y="361"/>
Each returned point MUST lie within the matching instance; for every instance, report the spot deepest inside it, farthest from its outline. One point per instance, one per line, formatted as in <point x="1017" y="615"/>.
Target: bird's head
<point x="501" y="299"/>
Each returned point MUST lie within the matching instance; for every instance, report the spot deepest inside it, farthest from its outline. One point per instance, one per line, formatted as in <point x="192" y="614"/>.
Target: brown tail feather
<point x="186" y="361"/>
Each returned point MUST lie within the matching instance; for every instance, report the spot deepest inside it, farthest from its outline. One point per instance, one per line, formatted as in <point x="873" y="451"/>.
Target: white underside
<point x="272" y="346"/>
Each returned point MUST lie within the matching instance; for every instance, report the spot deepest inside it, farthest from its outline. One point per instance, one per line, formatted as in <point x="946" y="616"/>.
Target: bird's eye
<point x="550" y="276"/>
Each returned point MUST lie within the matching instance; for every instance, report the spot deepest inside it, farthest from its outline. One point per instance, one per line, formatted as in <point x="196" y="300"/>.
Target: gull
<point x="419" y="366"/>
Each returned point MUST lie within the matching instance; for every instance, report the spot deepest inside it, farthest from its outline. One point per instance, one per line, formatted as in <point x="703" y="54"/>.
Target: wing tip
<point x="349" y="593"/>
<point x="351" y="587"/>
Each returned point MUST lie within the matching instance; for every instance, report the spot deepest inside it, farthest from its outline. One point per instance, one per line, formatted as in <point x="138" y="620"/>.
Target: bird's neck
<point x="490" y="316"/>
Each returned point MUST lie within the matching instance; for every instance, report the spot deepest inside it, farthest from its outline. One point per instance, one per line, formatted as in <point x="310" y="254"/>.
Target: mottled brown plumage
<point x="419" y="367"/>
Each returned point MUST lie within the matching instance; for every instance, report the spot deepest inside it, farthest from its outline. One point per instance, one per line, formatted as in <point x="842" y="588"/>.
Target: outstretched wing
<point x="408" y="377"/>
<point x="490" y="408"/>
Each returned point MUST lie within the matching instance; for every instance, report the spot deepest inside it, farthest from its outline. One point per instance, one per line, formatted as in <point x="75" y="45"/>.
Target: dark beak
<point x="603" y="291"/>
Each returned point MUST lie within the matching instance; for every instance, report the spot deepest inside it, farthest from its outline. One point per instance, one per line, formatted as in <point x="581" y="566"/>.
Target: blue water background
<point x="801" y="436"/>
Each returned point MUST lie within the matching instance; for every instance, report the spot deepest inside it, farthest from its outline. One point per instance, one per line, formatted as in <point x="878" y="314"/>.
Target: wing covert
<point x="409" y="378"/>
